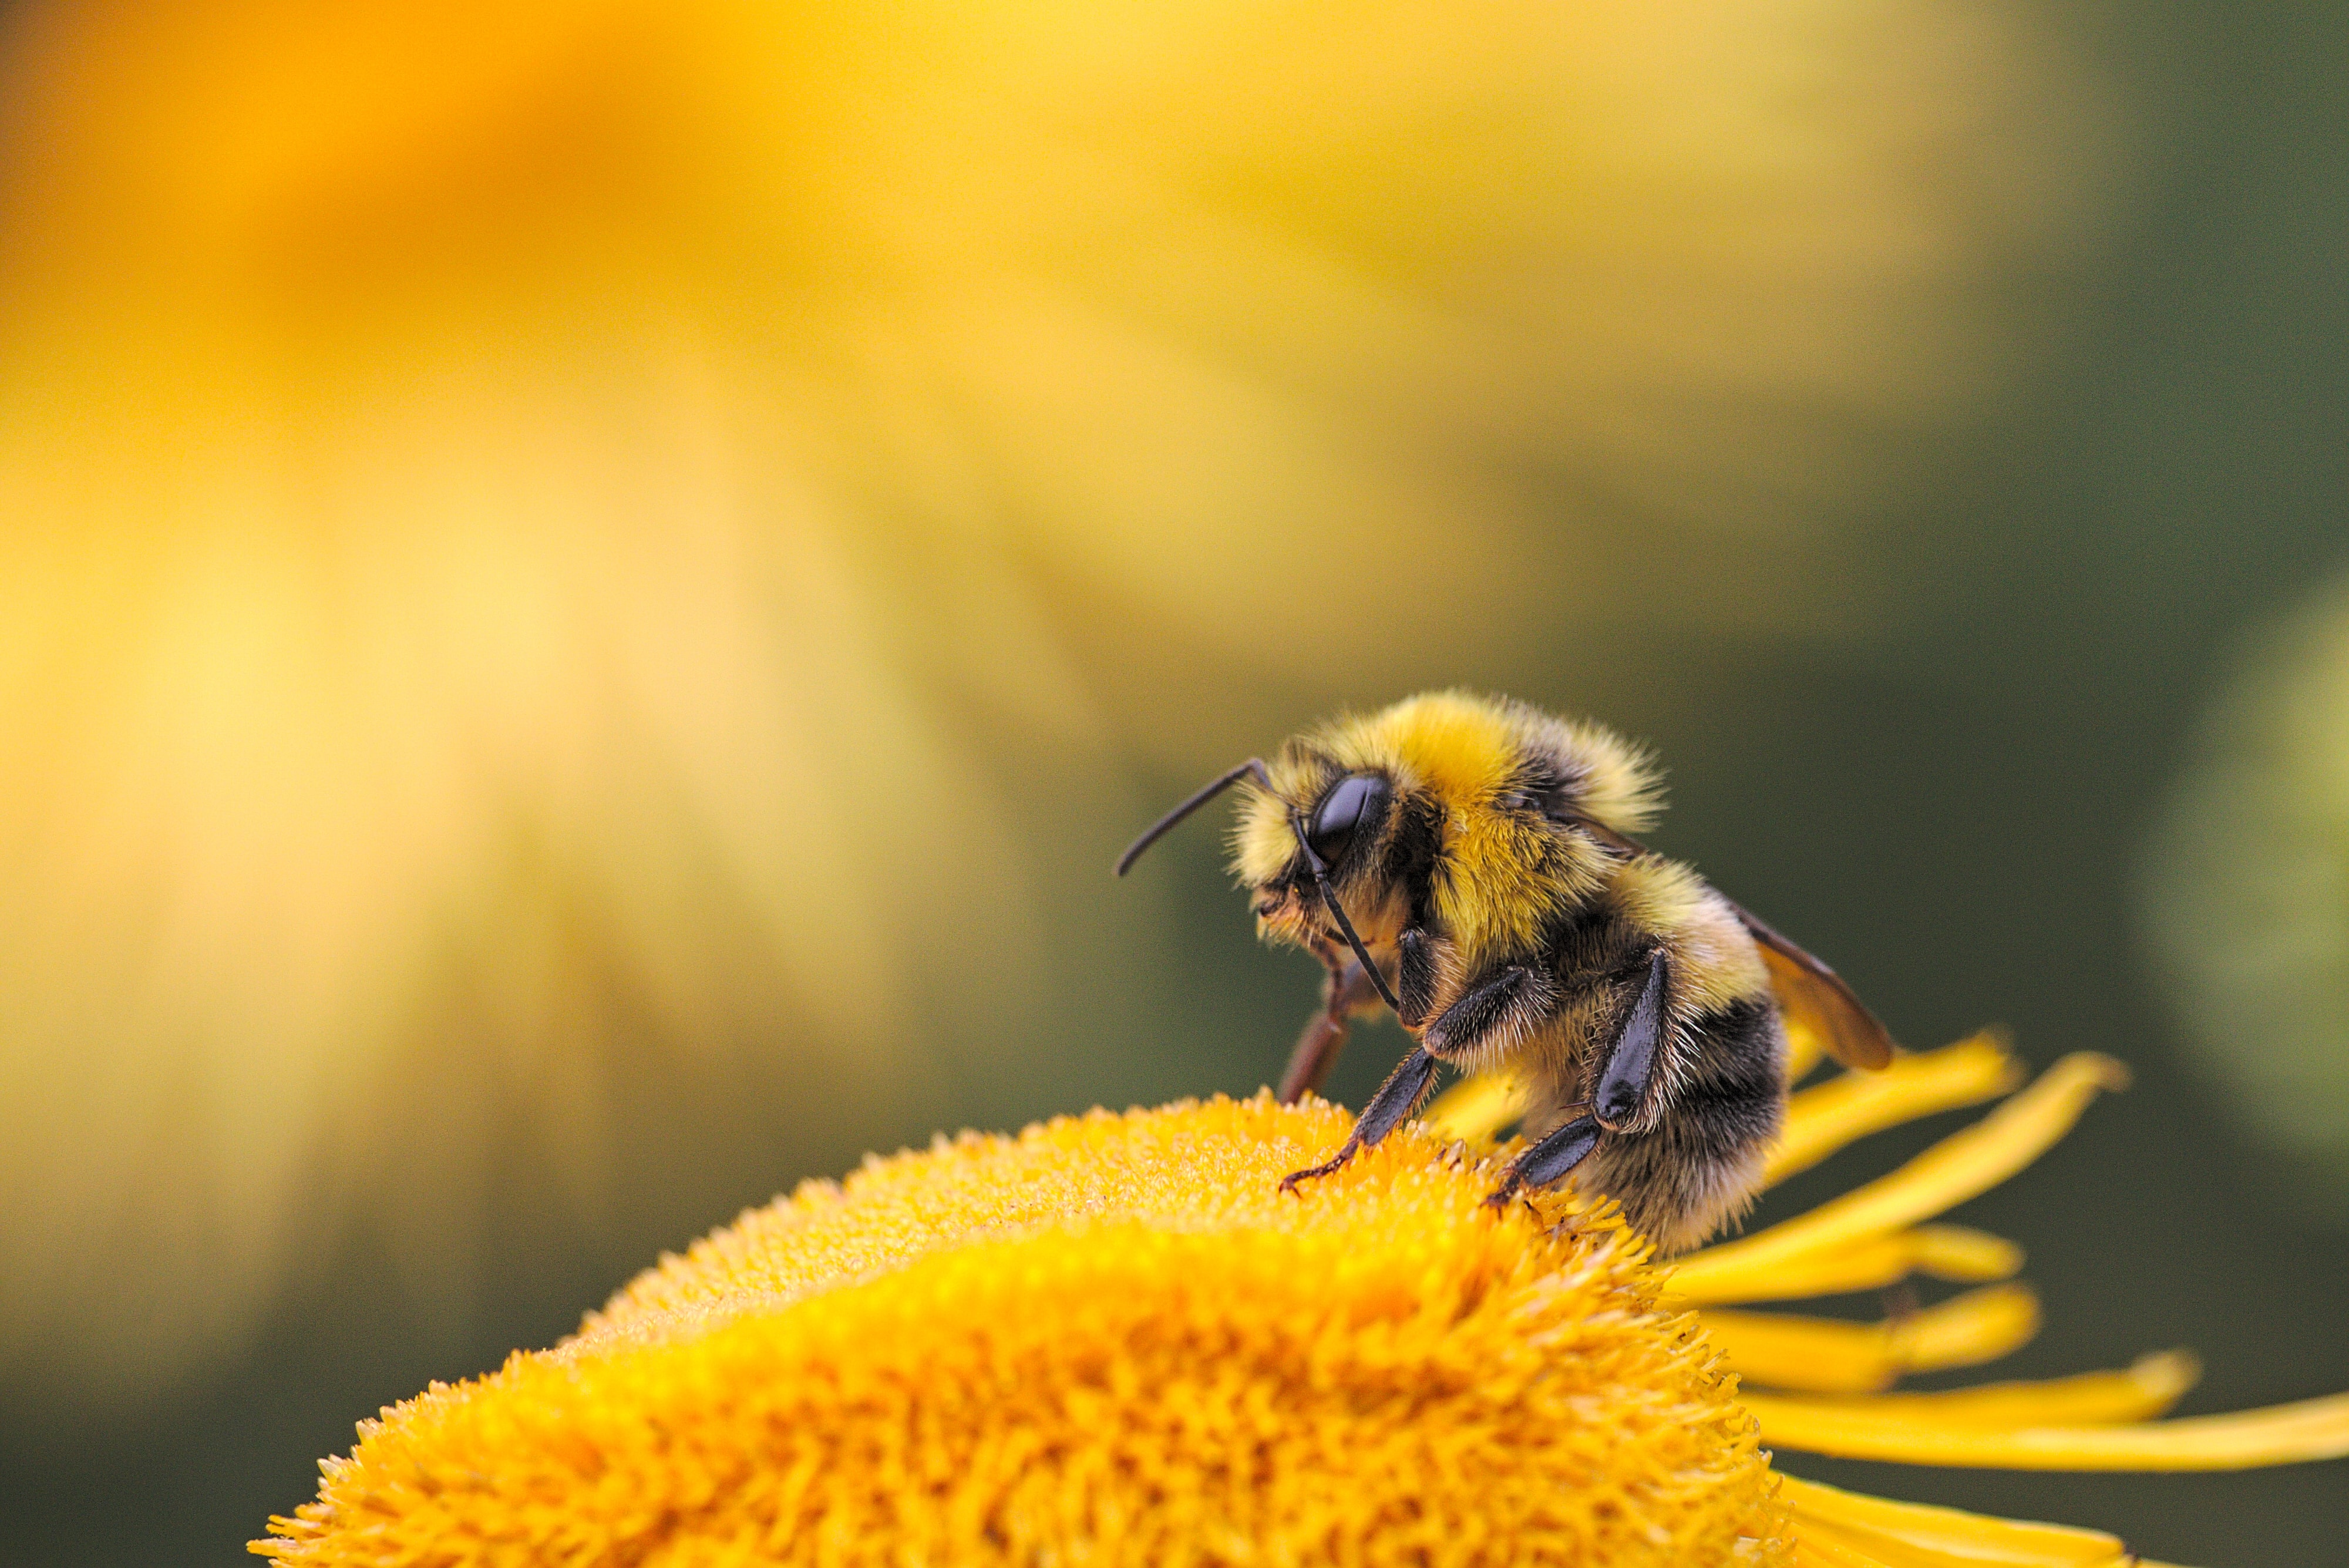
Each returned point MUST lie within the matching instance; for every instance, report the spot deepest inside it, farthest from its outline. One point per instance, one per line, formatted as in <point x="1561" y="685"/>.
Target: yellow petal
<point x="1961" y="1252"/>
<point x="1473" y="1109"/>
<point x="1817" y="1550"/>
<point x="2277" y="1435"/>
<point x="1843" y="1110"/>
<point x="1943" y="1251"/>
<point x="1804" y="1051"/>
<point x="1870" y="1546"/>
<point x="1901" y="1533"/>
<point x="1824" y="1355"/>
<point x="1959" y="1167"/>
<point x="1967" y="1330"/>
<point x="2145" y="1389"/>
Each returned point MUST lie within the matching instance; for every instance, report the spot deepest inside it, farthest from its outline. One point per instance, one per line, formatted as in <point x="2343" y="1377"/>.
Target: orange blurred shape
<point x="535" y="532"/>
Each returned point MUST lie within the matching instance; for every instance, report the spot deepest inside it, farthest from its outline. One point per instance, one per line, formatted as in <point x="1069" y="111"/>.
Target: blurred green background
<point x="589" y="592"/>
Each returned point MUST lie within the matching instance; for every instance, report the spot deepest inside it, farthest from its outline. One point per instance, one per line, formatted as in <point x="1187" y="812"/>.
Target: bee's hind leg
<point x="1641" y="1036"/>
<point x="1623" y="1088"/>
<point x="1396" y="1099"/>
<point x="1548" y="1160"/>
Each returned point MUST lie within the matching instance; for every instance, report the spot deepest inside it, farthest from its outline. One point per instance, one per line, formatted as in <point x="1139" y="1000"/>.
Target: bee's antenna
<point x="1254" y="767"/>
<point x="1322" y="880"/>
<point x="1159" y="829"/>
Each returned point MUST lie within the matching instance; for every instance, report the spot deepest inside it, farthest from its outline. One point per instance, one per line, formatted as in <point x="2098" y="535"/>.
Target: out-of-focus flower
<point x="2246" y="895"/>
<point x="537" y="533"/>
<point x="1115" y="1339"/>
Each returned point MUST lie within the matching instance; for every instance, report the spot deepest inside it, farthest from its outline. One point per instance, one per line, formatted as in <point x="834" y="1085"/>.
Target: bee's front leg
<point x="1347" y="994"/>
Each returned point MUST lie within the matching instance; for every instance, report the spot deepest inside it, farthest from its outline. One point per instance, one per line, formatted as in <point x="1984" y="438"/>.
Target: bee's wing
<point x="1810" y="995"/>
<point x="1813" y="996"/>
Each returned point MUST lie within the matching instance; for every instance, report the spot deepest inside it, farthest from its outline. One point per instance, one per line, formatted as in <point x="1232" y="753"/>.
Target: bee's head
<point x="1335" y="853"/>
<point x="1314" y="822"/>
<point x="1449" y="810"/>
<point x="1313" y="842"/>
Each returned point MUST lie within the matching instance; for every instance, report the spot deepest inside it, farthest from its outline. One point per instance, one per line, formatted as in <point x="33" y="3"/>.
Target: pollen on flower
<point x="1110" y="1337"/>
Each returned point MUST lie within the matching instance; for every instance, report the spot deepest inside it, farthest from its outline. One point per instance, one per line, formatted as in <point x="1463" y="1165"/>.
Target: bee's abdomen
<point x="1736" y="1079"/>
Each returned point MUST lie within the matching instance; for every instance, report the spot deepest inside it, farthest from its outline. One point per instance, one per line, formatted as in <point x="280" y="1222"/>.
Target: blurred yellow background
<point x="588" y="589"/>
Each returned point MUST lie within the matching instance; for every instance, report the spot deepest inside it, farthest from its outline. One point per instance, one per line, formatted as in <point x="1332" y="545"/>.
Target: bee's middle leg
<point x="1507" y="1000"/>
<point x="1505" y="1003"/>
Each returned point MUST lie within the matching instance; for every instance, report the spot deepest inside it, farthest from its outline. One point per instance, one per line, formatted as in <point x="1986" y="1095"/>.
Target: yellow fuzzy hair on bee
<point x="1470" y="752"/>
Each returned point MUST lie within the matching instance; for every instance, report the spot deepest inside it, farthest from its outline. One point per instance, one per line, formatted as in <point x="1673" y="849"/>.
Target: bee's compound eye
<point x="1351" y="800"/>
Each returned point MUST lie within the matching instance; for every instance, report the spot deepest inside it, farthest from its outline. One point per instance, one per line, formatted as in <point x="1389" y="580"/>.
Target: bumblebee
<point x="1469" y="862"/>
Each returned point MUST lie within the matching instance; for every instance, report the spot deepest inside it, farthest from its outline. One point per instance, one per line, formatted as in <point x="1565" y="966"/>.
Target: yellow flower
<point x="1112" y="1335"/>
<point x="1113" y="1339"/>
